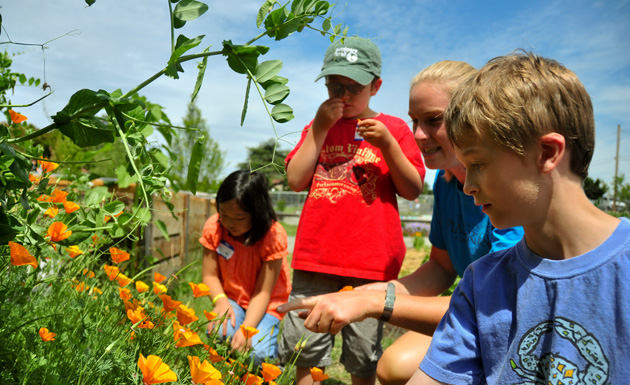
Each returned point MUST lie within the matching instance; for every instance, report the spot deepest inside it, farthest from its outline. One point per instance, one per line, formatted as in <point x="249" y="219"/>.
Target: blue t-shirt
<point x="517" y="318"/>
<point x="461" y="228"/>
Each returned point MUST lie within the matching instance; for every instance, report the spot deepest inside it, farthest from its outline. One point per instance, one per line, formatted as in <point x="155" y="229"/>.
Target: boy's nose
<point x="470" y="188"/>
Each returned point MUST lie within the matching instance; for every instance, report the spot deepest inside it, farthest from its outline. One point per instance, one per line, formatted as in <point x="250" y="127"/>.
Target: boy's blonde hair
<point x="515" y="99"/>
<point x="449" y="74"/>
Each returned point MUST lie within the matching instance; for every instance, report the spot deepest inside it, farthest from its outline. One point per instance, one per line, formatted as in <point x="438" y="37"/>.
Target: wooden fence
<point x="184" y="226"/>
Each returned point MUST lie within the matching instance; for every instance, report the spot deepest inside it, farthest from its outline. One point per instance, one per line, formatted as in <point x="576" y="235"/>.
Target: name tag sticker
<point x="225" y="250"/>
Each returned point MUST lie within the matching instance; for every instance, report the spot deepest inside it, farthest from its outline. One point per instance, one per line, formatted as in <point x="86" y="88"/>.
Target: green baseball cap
<point x="356" y="58"/>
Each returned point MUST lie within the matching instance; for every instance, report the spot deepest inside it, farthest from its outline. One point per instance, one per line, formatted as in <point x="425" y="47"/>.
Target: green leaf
<point x="162" y="227"/>
<point x="282" y="113"/>
<point x="78" y="122"/>
<point x="187" y="10"/>
<point x="95" y="195"/>
<point x="246" y="102"/>
<point x="276" y="93"/>
<point x="241" y="58"/>
<point x="19" y="167"/>
<point x="113" y="208"/>
<point x="202" y="72"/>
<point x="9" y="228"/>
<point x="195" y="164"/>
<point x="266" y="8"/>
<point x="90" y="2"/>
<point x="183" y="44"/>
<point x="326" y="24"/>
<point x="275" y="80"/>
<point x="124" y="179"/>
<point x="267" y="70"/>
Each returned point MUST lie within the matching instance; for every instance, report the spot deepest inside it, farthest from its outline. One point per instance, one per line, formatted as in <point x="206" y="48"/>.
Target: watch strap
<point x="390" y="297"/>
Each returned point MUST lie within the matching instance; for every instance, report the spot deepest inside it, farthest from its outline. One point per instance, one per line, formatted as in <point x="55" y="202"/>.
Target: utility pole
<point x="616" y="168"/>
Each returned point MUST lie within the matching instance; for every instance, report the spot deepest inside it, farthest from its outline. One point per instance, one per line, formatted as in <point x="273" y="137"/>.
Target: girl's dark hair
<point x="249" y="189"/>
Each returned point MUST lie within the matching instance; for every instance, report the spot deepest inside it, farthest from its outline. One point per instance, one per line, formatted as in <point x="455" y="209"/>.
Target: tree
<point x="268" y="159"/>
<point x="181" y="151"/>
<point x="594" y="189"/>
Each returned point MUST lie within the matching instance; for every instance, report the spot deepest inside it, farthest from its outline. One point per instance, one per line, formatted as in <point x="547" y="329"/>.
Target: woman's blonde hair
<point x="449" y="74"/>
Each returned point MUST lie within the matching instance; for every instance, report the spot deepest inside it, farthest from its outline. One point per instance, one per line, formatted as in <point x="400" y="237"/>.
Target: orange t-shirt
<point x="239" y="271"/>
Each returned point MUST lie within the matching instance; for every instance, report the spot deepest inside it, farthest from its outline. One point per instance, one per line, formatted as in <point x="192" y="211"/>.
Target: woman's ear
<point x="553" y="149"/>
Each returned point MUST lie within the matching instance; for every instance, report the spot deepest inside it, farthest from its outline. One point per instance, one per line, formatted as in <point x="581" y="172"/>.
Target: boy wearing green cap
<point x="354" y="161"/>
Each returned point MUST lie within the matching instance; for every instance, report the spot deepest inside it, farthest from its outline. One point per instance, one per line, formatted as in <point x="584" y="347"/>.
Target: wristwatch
<point x="390" y="297"/>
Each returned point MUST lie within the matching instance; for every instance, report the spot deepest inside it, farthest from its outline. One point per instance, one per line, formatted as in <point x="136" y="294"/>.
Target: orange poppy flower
<point x="111" y="271"/>
<point x="346" y="288"/>
<point x="80" y="287"/>
<point x="248" y="331"/>
<point x="125" y="294"/>
<point x="203" y="372"/>
<point x="138" y="315"/>
<point x="186" y="315"/>
<point x="159" y="278"/>
<point x="199" y="290"/>
<point x="70" y="207"/>
<point x="44" y="198"/>
<point x="87" y="272"/>
<point x="32" y="178"/>
<point x="155" y="371"/>
<point x="318" y="375"/>
<point x="131" y="305"/>
<point x="59" y="196"/>
<point x="213" y="356"/>
<point x="94" y="239"/>
<point x="123" y="280"/>
<point x="20" y="255"/>
<point x="169" y="303"/>
<point x="141" y="286"/>
<point x="51" y="212"/>
<point x="58" y="231"/>
<point x="188" y="338"/>
<point x="74" y="251"/>
<point x="210" y="315"/>
<point x="159" y="288"/>
<point x="96" y="290"/>
<point x="118" y="255"/>
<point x="270" y="372"/>
<point x="16" y="117"/>
<point x="250" y="379"/>
<point x="46" y="335"/>
<point x="48" y="166"/>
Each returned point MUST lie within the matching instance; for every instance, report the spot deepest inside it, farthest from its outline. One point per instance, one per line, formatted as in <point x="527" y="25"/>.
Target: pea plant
<point x="74" y="304"/>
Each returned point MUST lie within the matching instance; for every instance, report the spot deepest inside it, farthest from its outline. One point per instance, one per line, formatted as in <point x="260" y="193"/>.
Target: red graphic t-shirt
<point x="350" y="225"/>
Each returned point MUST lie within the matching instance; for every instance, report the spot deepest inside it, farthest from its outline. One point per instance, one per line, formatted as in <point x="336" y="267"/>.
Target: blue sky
<point x="119" y="43"/>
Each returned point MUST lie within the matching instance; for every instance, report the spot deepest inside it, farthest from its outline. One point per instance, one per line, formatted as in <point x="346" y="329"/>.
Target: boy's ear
<point x="376" y="86"/>
<point x="553" y="148"/>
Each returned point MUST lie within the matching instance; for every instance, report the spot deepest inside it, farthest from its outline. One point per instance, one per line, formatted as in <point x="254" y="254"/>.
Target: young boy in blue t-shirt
<point x="555" y="308"/>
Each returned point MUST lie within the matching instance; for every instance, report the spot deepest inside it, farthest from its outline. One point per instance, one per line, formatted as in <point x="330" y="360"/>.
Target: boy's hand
<point x="327" y="114"/>
<point x="222" y="307"/>
<point x="375" y="133"/>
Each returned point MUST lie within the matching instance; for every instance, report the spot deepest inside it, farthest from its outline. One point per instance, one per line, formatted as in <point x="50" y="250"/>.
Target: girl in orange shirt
<point x="244" y="263"/>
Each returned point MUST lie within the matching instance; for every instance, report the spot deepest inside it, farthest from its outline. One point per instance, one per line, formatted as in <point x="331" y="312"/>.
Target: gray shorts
<point x="361" y="347"/>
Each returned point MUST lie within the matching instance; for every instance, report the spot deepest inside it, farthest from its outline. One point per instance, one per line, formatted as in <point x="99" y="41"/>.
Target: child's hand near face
<point x="327" y="114"/>
<point x="375" y="133"/>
